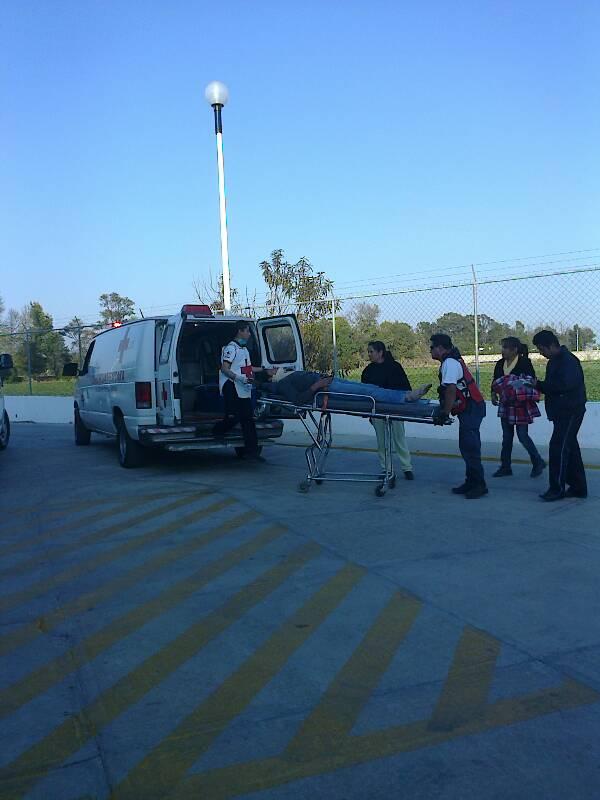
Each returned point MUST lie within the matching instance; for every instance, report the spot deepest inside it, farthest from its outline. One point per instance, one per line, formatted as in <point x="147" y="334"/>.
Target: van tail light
<point x="143" y="394"/>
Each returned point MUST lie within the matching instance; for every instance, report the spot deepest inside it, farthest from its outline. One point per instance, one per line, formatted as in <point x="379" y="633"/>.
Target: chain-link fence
<point x="477" y="314"/>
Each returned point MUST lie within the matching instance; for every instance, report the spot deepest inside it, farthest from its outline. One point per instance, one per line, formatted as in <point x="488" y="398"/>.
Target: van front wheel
<point x="82" y="434"/>
<point x="4" y="431"/>
<point x="131" y="453"/>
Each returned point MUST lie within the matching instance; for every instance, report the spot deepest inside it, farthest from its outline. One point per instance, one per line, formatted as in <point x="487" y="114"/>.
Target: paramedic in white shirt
<point x="235" y="385"/>
<point x="457" y="382"/>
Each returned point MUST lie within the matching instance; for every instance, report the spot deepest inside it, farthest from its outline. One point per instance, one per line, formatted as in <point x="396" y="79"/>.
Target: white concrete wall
<point x="60" y="409"/>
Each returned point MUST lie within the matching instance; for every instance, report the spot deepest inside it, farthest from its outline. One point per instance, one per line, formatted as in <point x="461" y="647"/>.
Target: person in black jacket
<point x="515" y="361"/>
<point x="386" y="372"/>
<point x="564" y="389"/>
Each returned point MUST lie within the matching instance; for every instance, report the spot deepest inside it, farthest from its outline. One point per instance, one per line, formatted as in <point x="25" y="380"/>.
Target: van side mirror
<point x="70" y="370"/>
<point x="6" y="362"/>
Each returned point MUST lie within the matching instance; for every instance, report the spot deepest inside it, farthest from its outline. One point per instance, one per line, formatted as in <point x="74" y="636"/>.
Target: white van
<point x="154" y="382"/>
<point x="6" y="364"/>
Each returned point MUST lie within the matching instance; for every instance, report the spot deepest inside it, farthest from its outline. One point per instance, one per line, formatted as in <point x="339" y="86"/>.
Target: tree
<point x="209" y="291"/>
<point x="296" y="287"/>
<point x="115" y="308"/>
<point x="41" y="348"/>
<point x="79" y="336"/>
<point x="399" y="337"/>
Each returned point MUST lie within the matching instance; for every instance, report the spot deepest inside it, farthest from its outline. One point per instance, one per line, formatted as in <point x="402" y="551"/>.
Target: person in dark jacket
<point x="386" y="372"/>
<point x="515" y="361"/>
<point x="564" y="390"/>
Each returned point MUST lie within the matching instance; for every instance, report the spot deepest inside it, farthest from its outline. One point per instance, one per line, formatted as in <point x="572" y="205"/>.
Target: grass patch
<point x="62" y="387"/>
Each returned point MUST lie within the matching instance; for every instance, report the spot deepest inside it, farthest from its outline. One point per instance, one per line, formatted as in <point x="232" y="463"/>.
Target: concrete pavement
<point x="198" y="628"/>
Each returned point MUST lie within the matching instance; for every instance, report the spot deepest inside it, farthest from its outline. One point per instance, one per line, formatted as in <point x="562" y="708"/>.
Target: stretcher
<point x="317" y="421"/>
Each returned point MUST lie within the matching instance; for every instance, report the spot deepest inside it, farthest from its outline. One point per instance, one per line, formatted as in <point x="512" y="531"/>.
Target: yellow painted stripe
<point x="25" y="543"/>
<point x="42" y="679"/>
<point x="79" y="604"/>
<point x="166" y="765"/>
<point x="18" y="777"/>
<point x="341" y="704"/>
<point x="465" y="691"/>
<point x="47" y="584"/>
<point x="253" y="776"/>
<point x="97" y="535"/>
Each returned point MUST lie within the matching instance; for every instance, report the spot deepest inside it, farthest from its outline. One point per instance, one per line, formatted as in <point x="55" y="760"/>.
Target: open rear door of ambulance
<point x="280" y="342"/>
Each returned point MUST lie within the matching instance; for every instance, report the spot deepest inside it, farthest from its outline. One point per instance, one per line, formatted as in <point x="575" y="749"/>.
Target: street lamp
<point x="217" y="95"/>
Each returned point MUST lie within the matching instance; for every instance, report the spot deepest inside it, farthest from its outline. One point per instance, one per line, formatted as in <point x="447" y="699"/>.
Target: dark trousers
<point x="469" y="442"/>
<point x="238" y="409"/>
<point x="508" y="431"/>
<point x="566" y="464"/>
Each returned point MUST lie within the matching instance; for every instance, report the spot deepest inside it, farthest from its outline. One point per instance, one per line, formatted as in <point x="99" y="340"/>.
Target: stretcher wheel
<point x="303" y="486"/>
<point x="392" y="482"/>
<point x="380" y="491"/>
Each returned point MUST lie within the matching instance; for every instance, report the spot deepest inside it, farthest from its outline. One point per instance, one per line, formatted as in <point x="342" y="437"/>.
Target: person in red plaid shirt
<point x="517" y="406"/>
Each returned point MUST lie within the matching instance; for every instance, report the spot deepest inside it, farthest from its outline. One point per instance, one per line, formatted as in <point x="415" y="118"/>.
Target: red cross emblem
<point x="123" y="346"/>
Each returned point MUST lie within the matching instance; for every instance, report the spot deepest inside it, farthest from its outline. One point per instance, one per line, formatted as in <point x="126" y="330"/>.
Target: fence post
<point x="476" y="322"/>
<point x="29" y="361"/>
<point x="334" y="337"/>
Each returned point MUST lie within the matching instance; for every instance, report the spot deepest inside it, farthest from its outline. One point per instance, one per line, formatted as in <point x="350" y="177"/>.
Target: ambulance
<point x="154" y="382"/>
<point x="6" y="364"/>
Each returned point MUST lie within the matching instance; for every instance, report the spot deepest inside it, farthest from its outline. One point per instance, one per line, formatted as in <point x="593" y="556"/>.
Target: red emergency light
<point x="116" y="324"/>
<point x="196" y="311"/>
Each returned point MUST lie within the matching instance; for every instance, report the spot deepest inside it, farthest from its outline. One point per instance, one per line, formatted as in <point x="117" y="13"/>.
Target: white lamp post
<point x="217" y="95"/>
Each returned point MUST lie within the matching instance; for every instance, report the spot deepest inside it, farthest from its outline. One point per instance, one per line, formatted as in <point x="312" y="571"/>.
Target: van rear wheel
<point x="82" y="434"/>
<point x="4" y="431"/>
<point x="131" y="453"/>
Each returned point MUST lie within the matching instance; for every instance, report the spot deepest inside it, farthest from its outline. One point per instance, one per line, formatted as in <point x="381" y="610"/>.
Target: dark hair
<point x="515" y="344"/>
<point x="378" y="345"/>
<point x="241" y="325"/>
<point x="441" y="340"/>
<point x="546" y="339"/>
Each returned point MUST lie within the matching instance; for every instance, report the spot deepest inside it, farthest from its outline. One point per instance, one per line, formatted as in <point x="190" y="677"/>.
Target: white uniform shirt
<point x="452" y="372"/>
<point x="238" y="357"/>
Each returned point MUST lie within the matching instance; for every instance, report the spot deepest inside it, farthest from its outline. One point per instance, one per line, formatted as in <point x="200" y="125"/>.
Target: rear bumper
<point x="200" y="437"/>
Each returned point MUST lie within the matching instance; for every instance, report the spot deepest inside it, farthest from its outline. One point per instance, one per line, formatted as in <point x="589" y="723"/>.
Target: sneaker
<point x="408" y="475"/>
<point x="538" y="468"/>
<point x="462" y="489"/>
<point x="502" y="472"/>
<point x="476" y="492"/>
<point x="572" y="493"/>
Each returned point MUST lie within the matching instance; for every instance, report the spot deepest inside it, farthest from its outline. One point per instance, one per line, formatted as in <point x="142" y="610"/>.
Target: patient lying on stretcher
<point x="300" y="387"/>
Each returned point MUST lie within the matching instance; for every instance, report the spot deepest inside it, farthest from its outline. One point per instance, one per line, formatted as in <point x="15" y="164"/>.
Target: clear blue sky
<point x="374" y="138"/>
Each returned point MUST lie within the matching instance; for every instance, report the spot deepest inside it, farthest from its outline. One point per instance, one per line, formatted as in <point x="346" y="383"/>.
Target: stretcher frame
<point x="317" y="423"/>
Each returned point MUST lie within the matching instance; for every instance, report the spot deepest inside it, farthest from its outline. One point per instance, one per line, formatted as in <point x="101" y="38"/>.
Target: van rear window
<point x="165" y="346"/>
<point x="280" y="343"/>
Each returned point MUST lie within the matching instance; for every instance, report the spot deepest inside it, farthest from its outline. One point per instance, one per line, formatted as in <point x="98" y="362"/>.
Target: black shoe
<point x="462" y="489"/>
<point x="255" y="457"/>
<point x="538" y="468"/>
<point x="502" y="472"/>
<point x="408" y="475"/>
<point x="550" y="496"/>
<point x="573" y="493"/>
<point x="476" y="492"/>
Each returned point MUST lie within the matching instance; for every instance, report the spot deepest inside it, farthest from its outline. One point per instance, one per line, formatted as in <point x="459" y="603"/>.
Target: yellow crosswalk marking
<point x="14" y="696"/>
<point x="465" y="692"/>
<point x="167" y="764"/>
<point x="25" y="542"/>
<point x="94" y="536"/>
<point x="80" y="568"/>
<point x="339" y="708"/>
<point x="16" y="778"/>
<point x="79" y="604"/>
<point x="346" y="750"/>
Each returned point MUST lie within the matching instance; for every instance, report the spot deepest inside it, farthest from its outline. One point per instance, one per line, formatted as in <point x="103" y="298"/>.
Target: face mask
<point x="242" y="341"/>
